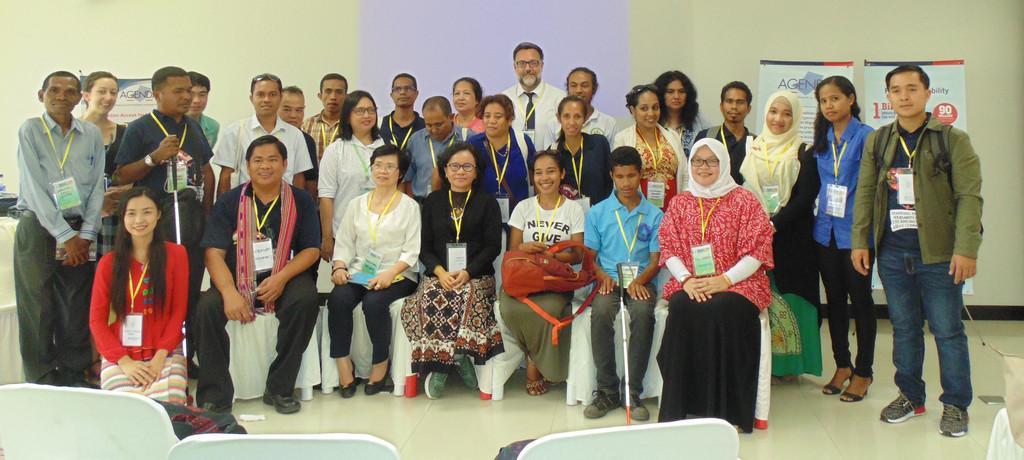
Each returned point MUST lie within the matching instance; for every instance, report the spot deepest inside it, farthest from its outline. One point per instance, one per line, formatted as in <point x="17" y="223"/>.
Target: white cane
<point x="625" y="345"/>
<point x="177" y="214"/>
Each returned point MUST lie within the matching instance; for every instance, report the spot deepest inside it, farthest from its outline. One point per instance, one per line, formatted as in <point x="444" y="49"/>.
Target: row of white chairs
<point x="45" y="422"/>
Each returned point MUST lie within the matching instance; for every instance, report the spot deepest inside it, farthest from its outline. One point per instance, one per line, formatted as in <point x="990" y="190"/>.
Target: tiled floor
<point x="804" y="424"/>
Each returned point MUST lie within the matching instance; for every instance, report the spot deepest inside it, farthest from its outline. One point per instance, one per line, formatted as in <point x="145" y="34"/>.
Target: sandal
<point x="849" y="397"/>
<point x="536" y="387"/>
<point x="832" y="390"/>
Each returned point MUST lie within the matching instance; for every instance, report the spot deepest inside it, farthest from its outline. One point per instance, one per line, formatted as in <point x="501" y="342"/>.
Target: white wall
<point x="713" y="42"/>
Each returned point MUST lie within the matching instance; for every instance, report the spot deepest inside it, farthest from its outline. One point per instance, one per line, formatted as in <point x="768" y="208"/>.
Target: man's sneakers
<point x="638" y="411"/>
<point x="467" y="371"/>
<point x="602" y="404"/>
<point x="901" y="410"/>
<point x="954" y="419"/>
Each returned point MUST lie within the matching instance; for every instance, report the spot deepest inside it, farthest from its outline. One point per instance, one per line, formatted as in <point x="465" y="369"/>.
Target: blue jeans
<point x="917" y="291"/>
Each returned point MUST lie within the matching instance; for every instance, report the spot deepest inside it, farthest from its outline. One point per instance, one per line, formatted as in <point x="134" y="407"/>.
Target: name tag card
<point x="902" y="219"/>
<point x="628" y="271"/>
<point x="503" y="205"/>
<point x="182" y="179"/>
<point x="772" y="198"/>
<point x="703" y="260"/>
<point x="263" y="254"/>
<point x="905" y="185"/>
<point x="372" y="263"/>
<point x="131" y="330"/>
<point x="656" y="193"/>
<point x="65" y="194"/>
<point x="836" y="200"/>
<point x="457" y="257"/>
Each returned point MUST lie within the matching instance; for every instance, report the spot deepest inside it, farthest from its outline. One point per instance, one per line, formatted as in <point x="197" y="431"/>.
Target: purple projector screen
<point x="438" y="42"/>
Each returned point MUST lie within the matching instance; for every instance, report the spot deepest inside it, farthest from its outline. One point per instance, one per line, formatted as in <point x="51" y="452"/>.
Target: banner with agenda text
<point x="800" y="77"/>
<point x="948" y="104"/>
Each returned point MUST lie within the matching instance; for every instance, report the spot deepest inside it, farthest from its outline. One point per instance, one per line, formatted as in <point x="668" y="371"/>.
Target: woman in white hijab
<point x="782" y="172"/>
<point x="716" y="241"/>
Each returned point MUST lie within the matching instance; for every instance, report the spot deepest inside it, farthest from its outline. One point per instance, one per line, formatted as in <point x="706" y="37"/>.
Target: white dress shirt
<point x="546" y="98"/>
<point x="235" y="139"/>
<point x="345" y="173"/>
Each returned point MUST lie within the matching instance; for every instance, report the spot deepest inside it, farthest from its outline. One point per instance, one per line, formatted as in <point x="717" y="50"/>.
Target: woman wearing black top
<point x="450" y="318"/>
<point x="100" y="93"/>
<point x="588" y="180"/>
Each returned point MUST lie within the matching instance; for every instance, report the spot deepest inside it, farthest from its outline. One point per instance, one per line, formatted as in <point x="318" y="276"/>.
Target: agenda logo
<point x="138" y="92"/>
<point x="804" y="85"/>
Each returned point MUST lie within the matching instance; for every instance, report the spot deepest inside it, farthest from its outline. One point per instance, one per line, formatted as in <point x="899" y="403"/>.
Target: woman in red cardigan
<point x="139" y="300"/>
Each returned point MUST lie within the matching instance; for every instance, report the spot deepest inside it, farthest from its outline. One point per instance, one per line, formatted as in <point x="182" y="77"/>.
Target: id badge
<point x="703" y="260"/>
<point x="835" y="204"/>
<point x="182" y="180"/>
<point x="628" y="271"/>
<point x="65" y="194"/>
<point x="131" y="330"/>
<point x="503" y="205"/>
<point x="772" y="199"/>
<point x="902" y="219"/>
<point x="905" y="185"/>
<point x="656" y="193"/>
<point x="457" y="257"/>
<point x="263" y="254"/>
<point x="372" y="263"/>
<point x="584" y="202"/>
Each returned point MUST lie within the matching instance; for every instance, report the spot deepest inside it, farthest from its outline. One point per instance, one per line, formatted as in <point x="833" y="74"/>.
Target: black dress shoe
<point x="385" y="385"/>
<point x="348" y="391"/>
<point x="213" y="407"/>
<point x="282" y="404"/>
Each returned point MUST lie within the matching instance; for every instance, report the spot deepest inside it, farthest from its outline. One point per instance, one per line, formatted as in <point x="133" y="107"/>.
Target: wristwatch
<point x="148" y="159"/>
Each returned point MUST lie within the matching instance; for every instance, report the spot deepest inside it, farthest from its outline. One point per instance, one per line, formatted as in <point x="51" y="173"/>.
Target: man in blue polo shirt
<point x="623" y="230"/>
<point x="427" y="144"/>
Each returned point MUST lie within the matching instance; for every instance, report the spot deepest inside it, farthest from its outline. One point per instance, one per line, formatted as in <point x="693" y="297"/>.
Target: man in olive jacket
<point x="919" y="203"/>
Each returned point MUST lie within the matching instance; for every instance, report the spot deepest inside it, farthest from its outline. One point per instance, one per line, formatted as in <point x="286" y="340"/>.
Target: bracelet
<point x="338" y="268"/>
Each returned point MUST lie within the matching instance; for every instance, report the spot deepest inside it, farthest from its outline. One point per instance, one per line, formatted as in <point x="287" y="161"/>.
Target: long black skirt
<point x="709" y="358"/>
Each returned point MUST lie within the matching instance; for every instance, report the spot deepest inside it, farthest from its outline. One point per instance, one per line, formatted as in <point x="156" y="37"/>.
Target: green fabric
<point x="210" y="129"/>
<point x="949" y="220"/>
<point x="796" y="343"/>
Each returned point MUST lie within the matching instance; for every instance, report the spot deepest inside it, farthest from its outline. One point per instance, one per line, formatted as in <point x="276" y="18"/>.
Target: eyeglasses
<point x="388" y="168"/>
<point x="403" y="89"/>
<point x="531" y="63"/>
<point x="455" y="167"/>
<point x="699" y="163"/>
<point x="360" y="111"/>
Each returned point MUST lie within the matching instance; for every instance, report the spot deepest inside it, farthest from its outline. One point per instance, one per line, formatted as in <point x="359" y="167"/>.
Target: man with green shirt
<point x="200" y="96"/>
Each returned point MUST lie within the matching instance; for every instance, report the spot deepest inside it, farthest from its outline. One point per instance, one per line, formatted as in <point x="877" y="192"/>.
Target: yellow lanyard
<point x="721" y="133"/>
<point x="323" y="134"/>
<point x="910" y="154"/>
<point x="508" y="157"/>
<point x="655" y="154"/>
<point x="134" y="291"/>
<point x="704" y="221"/>
<point x="551" y="222"/>
<point x="772" y="163"/>
<point x="391" y="124"/>
<point x="433" y="156"/>
<point x="67" y="149"/>
<point x="534" y="109"/>
<point x="461" y="213"/>
<point x="161" y="125"/>
<point x="256" y="212"/>
<point x="838" y="159"/>
<point x="577" y="172"/>
<point x="375" y="227"/>
<point x="622" y="231"/>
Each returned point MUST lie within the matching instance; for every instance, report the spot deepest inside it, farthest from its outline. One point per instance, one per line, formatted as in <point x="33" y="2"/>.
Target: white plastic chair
<point x="276" y="446"/>
<point x="253" y="348"/>
<point x="43" y="422"/>
<point x="705" y="439"/>
<point x="361" y="350"/>
<point x="10" y="350"/>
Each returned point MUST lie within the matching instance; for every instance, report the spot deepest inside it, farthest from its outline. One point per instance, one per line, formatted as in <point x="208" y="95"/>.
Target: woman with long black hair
<point x="680" y="112"/>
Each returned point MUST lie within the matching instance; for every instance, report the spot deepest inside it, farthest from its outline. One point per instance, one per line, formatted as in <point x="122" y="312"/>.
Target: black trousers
<point x="841" y="282"/>
<point x="376" y="307"/>
<point x="296" y="310"/>
<point x="196" y="270"/>
<point x="53" y="307"/>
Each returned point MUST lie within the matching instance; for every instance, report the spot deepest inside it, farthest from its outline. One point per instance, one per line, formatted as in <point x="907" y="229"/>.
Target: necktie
<point x="530" y="115"/>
